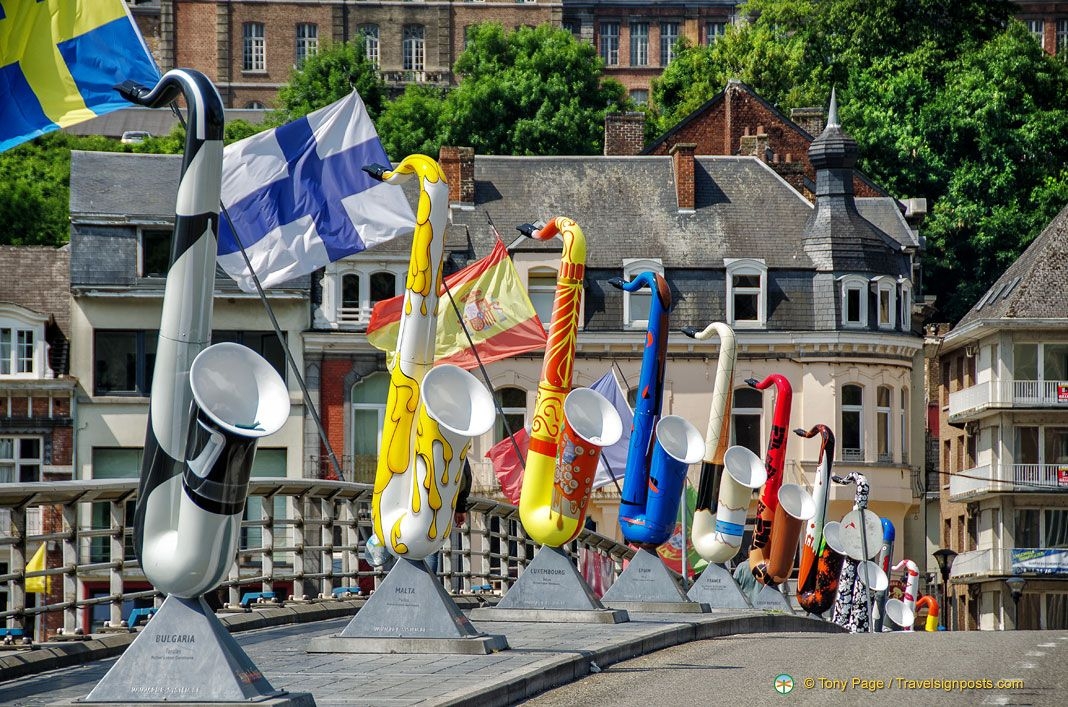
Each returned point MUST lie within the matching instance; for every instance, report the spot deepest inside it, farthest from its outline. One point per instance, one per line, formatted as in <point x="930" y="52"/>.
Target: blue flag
<point x="60" y="61"/>
<point x="299" y="198"/>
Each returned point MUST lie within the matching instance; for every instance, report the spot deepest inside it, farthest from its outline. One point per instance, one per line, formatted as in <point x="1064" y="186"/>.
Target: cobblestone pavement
<point x="541" y="656"/>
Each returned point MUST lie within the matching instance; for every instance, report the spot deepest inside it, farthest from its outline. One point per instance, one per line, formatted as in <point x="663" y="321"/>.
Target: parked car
<point x="132" y="137"/>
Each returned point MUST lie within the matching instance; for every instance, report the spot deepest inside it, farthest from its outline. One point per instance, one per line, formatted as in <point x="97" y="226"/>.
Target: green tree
<point x="533" y="91"/>
<point x="411" y="124"/>
<point x="954" y="102"/>
<point x="329" y="76"/>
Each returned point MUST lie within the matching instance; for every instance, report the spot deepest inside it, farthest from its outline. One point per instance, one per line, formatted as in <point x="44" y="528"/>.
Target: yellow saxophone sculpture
<point x="431" y="413"/>
<point x="570" y="426"/>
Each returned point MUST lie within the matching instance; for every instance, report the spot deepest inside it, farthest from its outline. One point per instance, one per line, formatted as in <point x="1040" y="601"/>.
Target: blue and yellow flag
<point x="60" y="61"/>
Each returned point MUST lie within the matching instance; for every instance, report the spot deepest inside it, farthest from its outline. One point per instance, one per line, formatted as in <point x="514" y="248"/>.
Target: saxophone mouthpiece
<point x="377" y="171"/>
<point x="132" y="91"/>
<point x="800" y="432"/>
<point x="752" y="382"/>
<point x="617" y="282"/>
<point x="527" y="229"/>
<point x="690" y="332"/>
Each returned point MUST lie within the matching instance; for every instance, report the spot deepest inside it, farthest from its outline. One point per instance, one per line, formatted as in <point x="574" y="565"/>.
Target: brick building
<point x="36" y="388"/>
<point x="248" y="49"/>
<point x="637" y="39"/>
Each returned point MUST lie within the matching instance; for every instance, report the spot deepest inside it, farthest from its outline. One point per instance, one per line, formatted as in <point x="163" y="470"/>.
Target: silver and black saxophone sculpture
<point x="209" y="404"/>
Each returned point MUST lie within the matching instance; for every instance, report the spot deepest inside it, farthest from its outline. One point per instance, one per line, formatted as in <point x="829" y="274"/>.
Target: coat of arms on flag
<point x="495" y="309"/>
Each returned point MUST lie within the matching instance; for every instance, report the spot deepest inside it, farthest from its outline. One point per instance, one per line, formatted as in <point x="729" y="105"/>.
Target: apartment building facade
<point x="1004" y="442"/>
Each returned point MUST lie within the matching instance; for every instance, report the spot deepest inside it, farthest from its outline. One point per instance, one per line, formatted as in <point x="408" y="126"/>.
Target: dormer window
<point x="854" y="301"/>
<point x="353" y="291"/>
<point x="747" y="288"/>
<point x="636" y="304"/>
<point x="906" y="304"/>
<point x="154" y="251"/>
<point x="22" y="344"/>
<point x="885" y="301"/>
<point x="541" y="286"/>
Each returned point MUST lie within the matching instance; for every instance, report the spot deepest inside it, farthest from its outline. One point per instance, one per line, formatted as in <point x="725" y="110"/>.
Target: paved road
<point x="741" y="671"/>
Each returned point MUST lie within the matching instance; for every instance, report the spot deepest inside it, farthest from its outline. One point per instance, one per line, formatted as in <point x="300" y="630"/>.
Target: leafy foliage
<point x="534" y="91"/>
<point x="329" y="76"/>
<point x="954" y="102"/>
<point x="411" y="124"/>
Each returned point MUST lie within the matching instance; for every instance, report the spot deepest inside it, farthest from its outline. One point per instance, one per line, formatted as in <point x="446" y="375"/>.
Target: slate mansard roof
<point x="627" y="208"/>
<point x="111" y="194"/>
<point x="1033" y="286"/>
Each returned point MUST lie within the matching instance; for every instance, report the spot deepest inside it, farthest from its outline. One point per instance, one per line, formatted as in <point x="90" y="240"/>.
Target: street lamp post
<point x="1016" y="587"/>
<point x="944" y="557"/>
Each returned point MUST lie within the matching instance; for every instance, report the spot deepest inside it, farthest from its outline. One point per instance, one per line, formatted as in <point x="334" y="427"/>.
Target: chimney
<point x="624" y="133"/>
<point x="682" y="162"/>
<point x="810" y="119"/>
<point x="458" y="164"/>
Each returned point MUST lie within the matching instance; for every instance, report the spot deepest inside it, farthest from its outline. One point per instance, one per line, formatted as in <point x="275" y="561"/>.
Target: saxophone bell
<point x="744" y="472"/>
<point x="795" y="507"/>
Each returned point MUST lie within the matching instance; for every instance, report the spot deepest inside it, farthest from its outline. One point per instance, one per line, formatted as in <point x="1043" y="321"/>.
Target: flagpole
<point x="685" y="553"/>
<point x="277" y="329"/>
<point x="482" y="368"/>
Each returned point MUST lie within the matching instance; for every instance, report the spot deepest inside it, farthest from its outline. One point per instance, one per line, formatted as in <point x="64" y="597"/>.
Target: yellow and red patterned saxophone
<point x="570" y="426"/>
<point x="431" y="413"/>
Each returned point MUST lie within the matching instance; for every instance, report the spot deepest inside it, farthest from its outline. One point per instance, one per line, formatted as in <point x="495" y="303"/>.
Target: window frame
<point x="413" y="48"/>
<point x="372" y="43"/>
<point x="307" y="42"/>
<point x="631" y="268"/>
<point x="532" y="290"/>
<point x="859" y="284"/>
<point x="143" y="250"/>
<point x="736" y="411"/>
<point x="668" y="41"/>
<point x="639" y="43"/>
<point x="1062" y="36"/>
<point x="365" y="272"/>
<point x="20" y="323"/>
<point x="499" y="431"/>
<point x="885" y="285"/>
<point x="16" y="461"/>
<point x="742" y="267"/>
<point x="905" y="304"/>
<point x="884" y="425"/>
<point x="904" y="417"/>
<point x="608" y="41"/>
<point x="254" y="48"/>
<point x="852" y="454"/>
<point x="711" y="37"/>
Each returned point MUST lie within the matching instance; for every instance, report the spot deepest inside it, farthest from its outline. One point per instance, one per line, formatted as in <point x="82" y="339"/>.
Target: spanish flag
<point x="495" y="308"/>
<point x="60" y="61"/>
<point x="38" y="585"/>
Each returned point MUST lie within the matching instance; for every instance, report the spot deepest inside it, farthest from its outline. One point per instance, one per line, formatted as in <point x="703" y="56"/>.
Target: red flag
<point x="493" y="304"/>
<point x="508" y="466"/>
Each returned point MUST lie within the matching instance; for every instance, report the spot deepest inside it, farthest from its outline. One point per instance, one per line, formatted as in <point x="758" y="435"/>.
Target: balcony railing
<point x="979" y="565"/>
<point x="971" y="484"/>
<point x="357" y="317"/>
<point x="306" y="536"/>
<point x="1008" y="393"/>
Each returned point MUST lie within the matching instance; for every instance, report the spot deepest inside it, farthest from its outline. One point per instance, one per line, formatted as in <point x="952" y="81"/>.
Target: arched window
<point x="383" y="286"/>
<point x="255" y="105"/>
<point x="747" y="287"/>
<point x="886" y="301"/>
<point x="413" y="48"/>
<point x="636" y="305"/>
<point x="541" y="286"/>
<point x="746" y="426"/>
<point x="513" y="417"/>
<point x="883" y="396"/>
<point x="854" y="301"/>
<point x="368" y="416"/>
<point x="370" y="43"/>
<point x="852" y="423"/>
<point x="350" y="291"/>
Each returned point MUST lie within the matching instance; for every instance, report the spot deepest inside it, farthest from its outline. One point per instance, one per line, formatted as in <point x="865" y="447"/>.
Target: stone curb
<point x="556" y="671"/>
<point x="51" y="656"/>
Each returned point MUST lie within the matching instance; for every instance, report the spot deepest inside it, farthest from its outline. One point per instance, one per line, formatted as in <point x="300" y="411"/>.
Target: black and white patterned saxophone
<point x="209" y="404"/>
<point x="851" y="607"/>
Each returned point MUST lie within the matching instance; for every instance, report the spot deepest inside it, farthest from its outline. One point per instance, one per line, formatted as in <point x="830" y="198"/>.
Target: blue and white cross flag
<point x="299" y="198"/>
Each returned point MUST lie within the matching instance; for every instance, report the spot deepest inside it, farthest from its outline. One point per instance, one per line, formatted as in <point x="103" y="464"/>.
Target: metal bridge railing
<point x="300" y="537"/>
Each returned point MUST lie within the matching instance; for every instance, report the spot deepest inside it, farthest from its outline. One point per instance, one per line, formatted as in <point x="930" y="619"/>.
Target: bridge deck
<point x="541" y="656"/>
